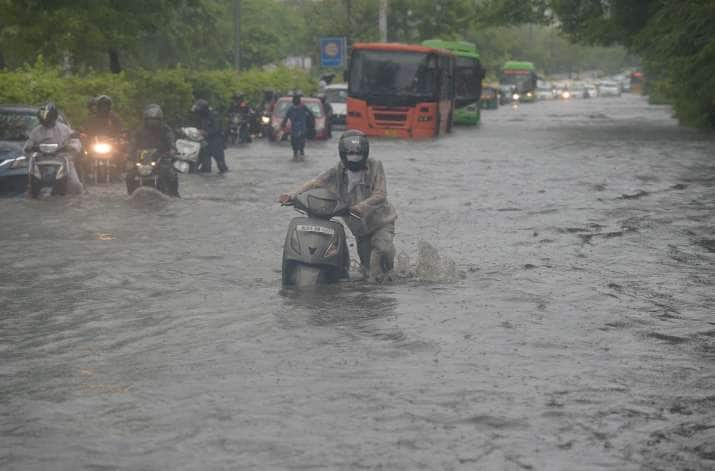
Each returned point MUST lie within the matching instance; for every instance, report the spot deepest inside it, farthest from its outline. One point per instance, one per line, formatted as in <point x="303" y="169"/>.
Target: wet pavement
<point x="575" y="330"/>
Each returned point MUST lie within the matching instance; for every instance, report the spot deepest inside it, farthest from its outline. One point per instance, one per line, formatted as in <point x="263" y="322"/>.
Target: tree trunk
<point x="114" y="65"/>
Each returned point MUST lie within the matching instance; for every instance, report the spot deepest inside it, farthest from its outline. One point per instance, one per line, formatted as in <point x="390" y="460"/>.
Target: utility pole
<point x="382" y="22"/>
<point x="349" y="13"/>
<point x="236" y="34"/>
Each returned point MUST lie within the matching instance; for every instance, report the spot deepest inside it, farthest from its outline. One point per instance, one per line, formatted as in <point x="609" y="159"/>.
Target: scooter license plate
<point x="318" y="229"/>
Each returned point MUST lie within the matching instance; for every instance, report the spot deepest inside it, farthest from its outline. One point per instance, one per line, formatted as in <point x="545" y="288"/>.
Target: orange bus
<point x="400" y="90"/>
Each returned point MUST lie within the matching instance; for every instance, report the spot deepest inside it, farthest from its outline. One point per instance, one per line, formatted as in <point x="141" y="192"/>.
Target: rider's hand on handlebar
<point x="286" y="198"/>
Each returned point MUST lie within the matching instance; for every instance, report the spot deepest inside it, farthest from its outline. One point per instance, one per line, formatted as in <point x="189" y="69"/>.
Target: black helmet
<point x="296" y="99"/>
<point x="103" y="103"/>
<point x="153" y="116"/>
<point x="200" y="107"/>
<point x="354" y="149"/>
<point x="47" y="114"/>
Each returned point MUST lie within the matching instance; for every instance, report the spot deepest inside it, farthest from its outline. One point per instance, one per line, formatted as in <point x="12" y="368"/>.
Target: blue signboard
<point x="332" y="52"/>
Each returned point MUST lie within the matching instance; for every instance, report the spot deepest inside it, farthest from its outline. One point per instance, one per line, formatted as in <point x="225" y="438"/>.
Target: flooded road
<point x="576" y="332"/>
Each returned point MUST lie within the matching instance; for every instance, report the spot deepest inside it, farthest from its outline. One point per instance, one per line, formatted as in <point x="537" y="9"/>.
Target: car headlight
<point x="102" y="148"/>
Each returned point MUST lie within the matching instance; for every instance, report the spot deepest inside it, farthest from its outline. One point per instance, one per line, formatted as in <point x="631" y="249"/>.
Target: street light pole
<point x="382" y="21"/>
<point x="236" y="34"/>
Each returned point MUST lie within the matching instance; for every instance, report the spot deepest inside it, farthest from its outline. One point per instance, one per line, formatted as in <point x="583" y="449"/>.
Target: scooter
<point x="189" y="147"/>
<point x="51" y="166"/>
<point x="315" y="250"/>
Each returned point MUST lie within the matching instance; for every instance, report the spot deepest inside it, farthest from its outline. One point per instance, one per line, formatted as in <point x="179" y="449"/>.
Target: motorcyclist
<point x="155" y="134"/>
<point x="328" y="113"/>
<point x="300" y="119"/>
<point x="52" y="131"/>
<point x="208" y="123"/>
<point x="360" y="182"/>
<point x="104" y="122"/>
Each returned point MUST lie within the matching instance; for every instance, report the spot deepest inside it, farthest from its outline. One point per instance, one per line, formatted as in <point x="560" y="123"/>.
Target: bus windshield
<point x="468" y="80"/>
<point x="393" y="73"/>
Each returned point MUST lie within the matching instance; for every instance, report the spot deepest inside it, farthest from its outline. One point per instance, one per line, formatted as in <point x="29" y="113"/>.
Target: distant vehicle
<point x="590" y="91"/>
<point x="490" y="97"/>
<point x="400" y="90"/>
<point x="468" y="75"/>
<point x="637" y="80"/>
<point x="280" y="110"/>
<point x="16" y="122"/>
<point x="337" y="96"/>
<point x="578" y="90"/>
<point x="545" y="90"/>
<point x="609" y="89"/>
<point x="521" y="75"/>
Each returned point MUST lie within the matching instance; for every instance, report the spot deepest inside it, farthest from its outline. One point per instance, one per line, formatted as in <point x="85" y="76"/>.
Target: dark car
<point x="16" y="122"/>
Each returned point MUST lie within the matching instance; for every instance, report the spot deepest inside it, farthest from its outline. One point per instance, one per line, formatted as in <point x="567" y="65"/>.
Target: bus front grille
<point x="393" y="118"/>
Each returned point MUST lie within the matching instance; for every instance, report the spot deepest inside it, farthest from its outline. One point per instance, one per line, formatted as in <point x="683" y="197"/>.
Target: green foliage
<point x="173" y="89"/>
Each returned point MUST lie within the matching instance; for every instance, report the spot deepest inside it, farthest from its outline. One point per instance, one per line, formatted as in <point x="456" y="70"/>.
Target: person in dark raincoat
<point x="209" y="124"/>
<point x="154" y="134"/>
<point x="360" y="182"/>
<point x="301" y="119"/>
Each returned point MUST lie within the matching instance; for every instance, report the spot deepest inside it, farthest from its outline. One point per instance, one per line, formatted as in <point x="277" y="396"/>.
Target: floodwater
<point x="575" y="332"/>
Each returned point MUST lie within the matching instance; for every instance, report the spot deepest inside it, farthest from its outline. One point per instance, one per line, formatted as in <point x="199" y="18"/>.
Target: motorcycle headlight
<point x="566" y="95"/>
<point x="515" y="96"/>
<point x="265" y="119"/>
<point x="529" y="94"/>
<point x="102" y="148"/>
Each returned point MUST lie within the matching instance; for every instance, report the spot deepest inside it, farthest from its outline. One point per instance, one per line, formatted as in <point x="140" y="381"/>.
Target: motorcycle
<point x="189" y="147"/>
<point x="103" y="159"/>
<point x="239" y="127"/>
<point x="52" y="166"/>
<point x="145" y="171"/>
<point x="315" y="249"/>
<point x="265" y="126"/>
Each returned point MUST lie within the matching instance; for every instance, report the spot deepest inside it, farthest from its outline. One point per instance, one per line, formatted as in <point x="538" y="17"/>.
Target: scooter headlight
<point x="102" y="148"/>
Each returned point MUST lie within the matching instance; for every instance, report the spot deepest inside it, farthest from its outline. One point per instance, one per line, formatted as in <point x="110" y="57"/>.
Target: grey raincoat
<point x="60" y="134"/>
<point x="365" y="190"/>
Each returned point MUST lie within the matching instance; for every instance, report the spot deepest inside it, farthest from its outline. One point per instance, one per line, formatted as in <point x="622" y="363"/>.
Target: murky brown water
<point x="578" y="335"/>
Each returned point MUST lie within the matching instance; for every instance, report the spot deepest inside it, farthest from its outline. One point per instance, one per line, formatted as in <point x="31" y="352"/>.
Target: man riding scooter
<point x="52" y="132"/>
<point x="360" y="182"/>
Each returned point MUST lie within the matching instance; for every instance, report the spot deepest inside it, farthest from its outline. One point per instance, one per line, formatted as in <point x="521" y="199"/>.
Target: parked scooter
<point x="52" y="166"/>
<point x="315" y="249"/>
<point x="189" y="147"/>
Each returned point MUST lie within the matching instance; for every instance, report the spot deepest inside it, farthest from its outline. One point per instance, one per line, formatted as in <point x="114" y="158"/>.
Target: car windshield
<point x="336" y="95"/>
<point x="393" y="73"/>
<point x="16" y="126"/>
<point x="468" y="78"/>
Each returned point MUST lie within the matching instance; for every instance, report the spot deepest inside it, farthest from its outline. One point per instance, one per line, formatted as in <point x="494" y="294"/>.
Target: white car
<point x="609" y="89"/>
<point x="337" y="96"/>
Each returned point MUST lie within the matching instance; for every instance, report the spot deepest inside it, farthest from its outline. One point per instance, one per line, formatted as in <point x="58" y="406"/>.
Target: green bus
<point x="518" y="79"/>
<point x="468" y="77"/>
